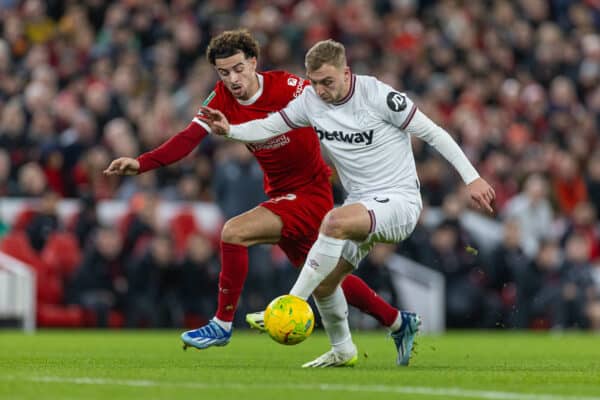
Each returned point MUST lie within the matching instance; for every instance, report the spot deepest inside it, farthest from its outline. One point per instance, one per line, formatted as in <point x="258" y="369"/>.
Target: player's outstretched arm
<point x="480" y="191"/>
<point x="258" y="130"/>
<point x="123" y="166"/>
<point x="171" y="151"/>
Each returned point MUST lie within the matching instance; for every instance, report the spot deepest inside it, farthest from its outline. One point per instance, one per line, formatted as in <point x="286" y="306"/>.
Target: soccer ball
<point x="289" y="319"/>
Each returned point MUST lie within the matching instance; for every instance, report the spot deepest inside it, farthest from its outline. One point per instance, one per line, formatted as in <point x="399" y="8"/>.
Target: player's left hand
<point x="482" y="194"/>
<point x="215" y="119"/>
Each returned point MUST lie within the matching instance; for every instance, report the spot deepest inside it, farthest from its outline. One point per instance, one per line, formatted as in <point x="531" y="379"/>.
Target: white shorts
<point x="393" y="218"/>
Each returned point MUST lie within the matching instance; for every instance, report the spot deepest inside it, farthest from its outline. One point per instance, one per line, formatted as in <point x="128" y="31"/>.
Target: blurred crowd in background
<point x="517" y="84"/>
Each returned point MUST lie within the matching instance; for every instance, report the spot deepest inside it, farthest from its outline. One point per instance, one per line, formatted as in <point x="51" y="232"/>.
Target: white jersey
<point x="363" y="135"/>
<point x="366" y="134"/>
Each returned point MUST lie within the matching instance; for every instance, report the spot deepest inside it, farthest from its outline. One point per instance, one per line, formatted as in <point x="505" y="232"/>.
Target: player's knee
<point x="333" y="225"/>
<point x="234" y="233"/>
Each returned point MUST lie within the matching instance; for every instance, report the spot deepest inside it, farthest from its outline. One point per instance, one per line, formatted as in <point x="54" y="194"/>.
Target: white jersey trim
<point x="409" y="117"/>
<point x="350" y="92"/>
<point x="202" y="124"/>
<point x="288" y="121"/>
<point x="256" y="95"/>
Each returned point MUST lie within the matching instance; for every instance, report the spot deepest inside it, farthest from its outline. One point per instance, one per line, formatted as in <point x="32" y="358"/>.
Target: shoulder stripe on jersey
<point x="410" y="116"/>
<point x="350" y="92"/>
<point x="287" y="120"/>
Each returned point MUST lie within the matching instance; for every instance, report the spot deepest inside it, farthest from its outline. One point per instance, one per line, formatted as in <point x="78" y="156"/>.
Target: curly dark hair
<point x="229" y="43"/>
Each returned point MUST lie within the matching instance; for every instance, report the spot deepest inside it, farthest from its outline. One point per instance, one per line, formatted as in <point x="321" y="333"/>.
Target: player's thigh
<point x="393" y="218"/>
<point x="350" y="221"/>
<point x="259" y="225"/>
<point x="301" y="214"/>
<point x="335" y="278"/>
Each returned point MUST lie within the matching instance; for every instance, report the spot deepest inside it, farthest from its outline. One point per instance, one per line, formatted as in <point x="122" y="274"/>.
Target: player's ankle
<point x="347" y="347"/>
<point x="227" y="325"/>
<point x="397" y="324"/>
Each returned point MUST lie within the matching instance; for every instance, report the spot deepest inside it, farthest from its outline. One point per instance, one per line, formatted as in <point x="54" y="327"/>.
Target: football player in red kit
<point x="296" y="179"/>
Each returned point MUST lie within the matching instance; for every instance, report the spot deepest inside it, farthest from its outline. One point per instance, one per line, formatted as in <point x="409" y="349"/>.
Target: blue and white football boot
<point x="211" y="334"/>
<point x="405" y="336"/>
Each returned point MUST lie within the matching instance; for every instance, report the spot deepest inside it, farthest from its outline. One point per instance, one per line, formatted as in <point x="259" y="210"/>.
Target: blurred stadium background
<point x="517" y="83"/>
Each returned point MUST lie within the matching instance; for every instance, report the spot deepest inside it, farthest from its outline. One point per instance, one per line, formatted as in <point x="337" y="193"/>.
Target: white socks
<point x="321" y="260"/>
<point x="334" y="315"/>
<point x="397" y="324"/>
<point x="223" y="324"/>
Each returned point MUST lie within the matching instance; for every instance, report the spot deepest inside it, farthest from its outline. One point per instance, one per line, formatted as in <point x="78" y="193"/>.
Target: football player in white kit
<point x="365" y="126"/>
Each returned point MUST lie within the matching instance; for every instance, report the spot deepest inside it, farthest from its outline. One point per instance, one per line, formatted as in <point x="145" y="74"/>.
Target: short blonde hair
<point x="325" y="52"/>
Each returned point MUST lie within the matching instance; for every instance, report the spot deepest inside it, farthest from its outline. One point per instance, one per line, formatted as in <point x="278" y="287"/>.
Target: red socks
<point x="361" y="296"/>
<point x="234" y="268"/>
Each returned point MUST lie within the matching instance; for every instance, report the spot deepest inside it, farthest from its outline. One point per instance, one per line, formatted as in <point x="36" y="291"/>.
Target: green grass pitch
<point x="152" y="365"/>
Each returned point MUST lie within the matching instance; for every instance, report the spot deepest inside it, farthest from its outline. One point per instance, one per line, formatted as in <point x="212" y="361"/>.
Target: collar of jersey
<point x="350" y="92"/>
<point x="258" y="93"/>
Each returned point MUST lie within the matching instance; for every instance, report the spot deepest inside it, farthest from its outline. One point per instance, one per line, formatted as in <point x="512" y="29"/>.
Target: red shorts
<point x="301" y="213"/>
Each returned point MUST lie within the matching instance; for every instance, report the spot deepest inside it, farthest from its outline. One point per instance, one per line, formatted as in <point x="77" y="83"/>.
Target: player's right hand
<point x="482" y="194"/>
<point x="216" y="120"/>
<point x="123" y="166"/>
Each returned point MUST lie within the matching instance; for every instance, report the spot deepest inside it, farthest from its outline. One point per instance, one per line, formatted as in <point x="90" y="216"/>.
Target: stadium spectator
<point x="539" y="290"/>
<point x="85" y="221"/>
<point x="99" y="284"/>
<point x="578" y="290"/>
<point x="583" y="223"/>
<point x="153" y="281"/>
<point x="6" y="183"/>
<point x="593" y="308"/>
<point x="140" y="224"/>
<point x="568" y="184"/>
<point x="532" y="209"/>
<point x="592" y="177"/>
<point x="31" y="180"/>
<point x="507" y="265"/>
<point x="44" y="221"/>
<point x="200" y="271"/>
<point x="465" y="305"/>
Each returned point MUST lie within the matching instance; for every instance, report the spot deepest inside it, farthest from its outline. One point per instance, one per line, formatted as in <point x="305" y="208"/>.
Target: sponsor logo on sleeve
<point x="292" y="81"/>
<point x="209" y="98"/>
<point x="396" y="101"/>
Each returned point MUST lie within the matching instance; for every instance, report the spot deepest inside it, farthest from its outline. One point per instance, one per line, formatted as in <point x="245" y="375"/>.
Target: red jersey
<point x="289" y="161"/>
